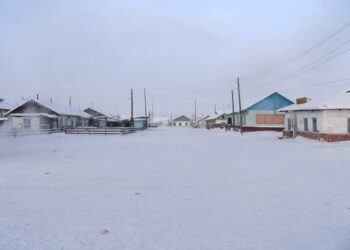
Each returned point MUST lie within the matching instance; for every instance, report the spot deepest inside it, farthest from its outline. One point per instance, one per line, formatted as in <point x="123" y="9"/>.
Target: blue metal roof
<point x="271" y="102"/>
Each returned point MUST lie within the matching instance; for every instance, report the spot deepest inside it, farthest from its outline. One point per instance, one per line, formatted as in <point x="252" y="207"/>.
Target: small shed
<point x="141" y="122"/>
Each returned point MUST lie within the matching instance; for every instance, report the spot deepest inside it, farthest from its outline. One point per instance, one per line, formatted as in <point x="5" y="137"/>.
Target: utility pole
<point x="171" y="119"/>
<point x="152" y="112"/>
<point x="70" y="101"/>
<point x="240" y="105"/>
<point x="195" y="113"/>
<point x="233" y="110"/>
<point x="144" y="96"/>
<point x="132" y="108"/>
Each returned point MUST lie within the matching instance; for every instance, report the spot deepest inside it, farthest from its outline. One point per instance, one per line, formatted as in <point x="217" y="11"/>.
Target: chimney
<point x="302" y="100"/>
<point x="37" y="97"/>
<point x="51" y="99"/>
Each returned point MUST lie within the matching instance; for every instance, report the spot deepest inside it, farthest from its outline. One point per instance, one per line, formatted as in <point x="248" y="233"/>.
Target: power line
<point x="304" y="53"/>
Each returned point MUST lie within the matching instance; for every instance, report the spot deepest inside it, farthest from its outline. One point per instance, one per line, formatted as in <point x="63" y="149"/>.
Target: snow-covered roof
<point x="95" y="113"/>
<point x="202" y="118"/>
<point x="214" y="116"/>
<point x="340" y="101"/>
<point x="57" y="108"/>
<point x="33" y="114"/>
<point x="182" y="118"/>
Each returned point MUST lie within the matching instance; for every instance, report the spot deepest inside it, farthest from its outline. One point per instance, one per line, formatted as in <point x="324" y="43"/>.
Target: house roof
<point x="202" y="118"/>
<point x="274" y="100"/>
<point x="55" y="107"/>
<point x="340" y="101"/>
<point x="94" y="113"/>
<point x="182" y="118"/>
<point x="214" y="116"/>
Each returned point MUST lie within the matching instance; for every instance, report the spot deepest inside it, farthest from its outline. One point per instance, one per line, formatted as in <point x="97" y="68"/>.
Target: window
<point x="289" y="124"/>
<point x="180" y="124"/>
<point x="27" y="123"/>
<point x="269" y="119"/>
<point x="306" y="125"/>
<point x="279" y="119"/>
<point x="260" y="119"/>
<point x="314" y="124"/>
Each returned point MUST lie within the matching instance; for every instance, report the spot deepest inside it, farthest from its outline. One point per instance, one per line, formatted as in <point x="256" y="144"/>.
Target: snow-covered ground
<point x="171" y="188"/>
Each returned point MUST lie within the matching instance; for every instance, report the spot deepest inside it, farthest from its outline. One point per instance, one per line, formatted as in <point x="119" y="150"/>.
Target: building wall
<point x="336" y="121"/>
<point x="19" y="122"/>
<point x="182" y="124"/>
<point x="328" y="121"/>
<point x="300" y="116"/>
<point x="250" y="118"/>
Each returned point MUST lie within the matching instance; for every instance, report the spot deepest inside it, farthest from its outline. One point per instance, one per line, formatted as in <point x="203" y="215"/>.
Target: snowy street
<point x="171" y="188"/>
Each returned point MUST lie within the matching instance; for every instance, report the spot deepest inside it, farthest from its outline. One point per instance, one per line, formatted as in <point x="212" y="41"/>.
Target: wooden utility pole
<point x="144" y="95"/>
<point x="195" y="113"/>
<point x="132" y="108"/>
<point x="233" y="110"/>
<point x="152" y="112"/>
<point x="240" y="106"/>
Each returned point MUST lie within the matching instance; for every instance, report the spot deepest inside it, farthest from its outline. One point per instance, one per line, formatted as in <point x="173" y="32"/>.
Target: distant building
<point x="263" y="114"/>
<point x="327" y="120"/>
<point x="101" y="120"/>
<point x="37" y="115"/>
<point x="141" y="122"/>
<point x="182" y="121"/>
<point x="216" y="121"/>
<point x="201" y="122"/>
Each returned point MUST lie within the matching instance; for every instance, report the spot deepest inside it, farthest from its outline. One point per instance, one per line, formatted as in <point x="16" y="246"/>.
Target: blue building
<point x="263" y="114"/>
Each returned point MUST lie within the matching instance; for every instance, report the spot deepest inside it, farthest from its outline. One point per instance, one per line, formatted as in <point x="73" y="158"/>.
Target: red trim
<point x="325" y="137"/>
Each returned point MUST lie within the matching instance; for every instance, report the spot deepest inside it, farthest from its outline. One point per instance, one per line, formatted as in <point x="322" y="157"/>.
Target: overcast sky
<point x="95" y="51"/>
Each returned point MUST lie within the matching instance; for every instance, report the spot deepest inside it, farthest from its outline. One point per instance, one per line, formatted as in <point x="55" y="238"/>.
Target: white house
<point x="326" y="120"/>
<point x="182" y="121"/>
<point x="36" y="115"/>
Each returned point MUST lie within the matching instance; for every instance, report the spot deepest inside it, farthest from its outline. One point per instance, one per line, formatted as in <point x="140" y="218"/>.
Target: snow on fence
<point x="22" y="132"/>
<point x="101" y="131"/>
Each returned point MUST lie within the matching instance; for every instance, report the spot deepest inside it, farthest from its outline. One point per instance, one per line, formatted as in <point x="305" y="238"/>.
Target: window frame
<point x="306" y="124"/>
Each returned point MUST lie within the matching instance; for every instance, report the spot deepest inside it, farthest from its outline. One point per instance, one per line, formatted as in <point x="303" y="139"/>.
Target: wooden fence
<point x="101" y="131"/>
<point x="76" y="131"/>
